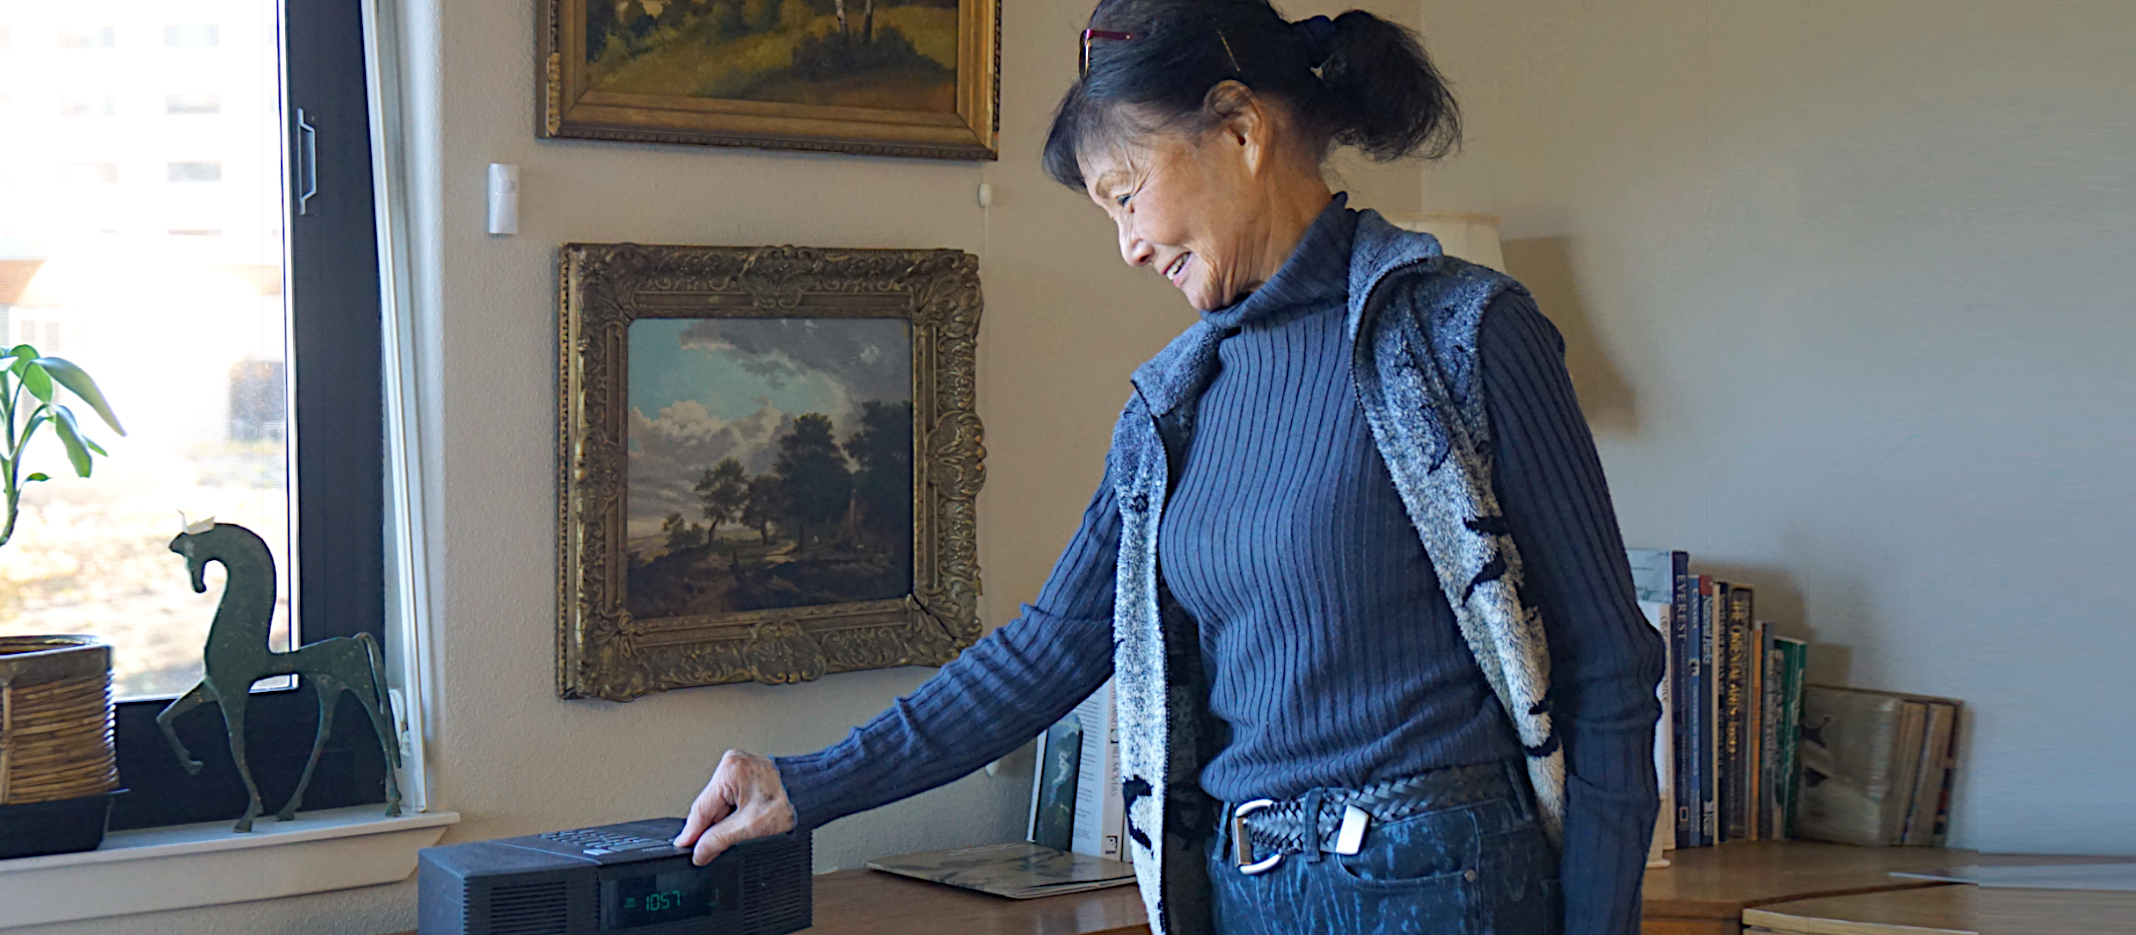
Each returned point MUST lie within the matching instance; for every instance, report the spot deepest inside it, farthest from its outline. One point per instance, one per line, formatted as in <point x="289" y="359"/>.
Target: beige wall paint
<point x="1065" y="322"/>
<point x="1846" y="290"/>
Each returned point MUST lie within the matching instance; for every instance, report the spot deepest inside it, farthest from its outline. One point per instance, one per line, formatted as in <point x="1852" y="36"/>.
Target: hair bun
<point x="1317" y="36"/>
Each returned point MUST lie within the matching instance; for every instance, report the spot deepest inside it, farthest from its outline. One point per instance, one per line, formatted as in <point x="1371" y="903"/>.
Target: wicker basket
<point x="55" y="719"/>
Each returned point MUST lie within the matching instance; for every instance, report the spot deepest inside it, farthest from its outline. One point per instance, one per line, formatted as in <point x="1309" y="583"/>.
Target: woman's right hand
<point x="744" y="800"/>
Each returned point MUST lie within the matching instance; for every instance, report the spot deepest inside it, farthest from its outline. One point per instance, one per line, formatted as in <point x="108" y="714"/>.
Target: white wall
<point x="1065" y="322"/>
<point x="1848" y="291"/>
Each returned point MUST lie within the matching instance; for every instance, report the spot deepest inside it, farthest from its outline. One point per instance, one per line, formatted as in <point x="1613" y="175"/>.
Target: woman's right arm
<point x="1007" y="688"/>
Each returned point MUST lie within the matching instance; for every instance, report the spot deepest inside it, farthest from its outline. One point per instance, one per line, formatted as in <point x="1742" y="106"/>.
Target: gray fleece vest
<point x="1412" y="325"/>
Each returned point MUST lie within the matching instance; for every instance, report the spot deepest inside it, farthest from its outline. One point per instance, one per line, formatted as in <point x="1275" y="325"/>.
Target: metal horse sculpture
<point x="237" y="656"/>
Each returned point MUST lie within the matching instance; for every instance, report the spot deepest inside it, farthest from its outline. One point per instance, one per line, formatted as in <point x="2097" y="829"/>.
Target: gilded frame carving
<point x="569" y="107"/>
<point x="602" y="651"/>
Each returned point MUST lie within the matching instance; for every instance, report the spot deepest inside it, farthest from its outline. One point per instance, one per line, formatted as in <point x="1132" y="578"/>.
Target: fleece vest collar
<point x="1412" y="320"/>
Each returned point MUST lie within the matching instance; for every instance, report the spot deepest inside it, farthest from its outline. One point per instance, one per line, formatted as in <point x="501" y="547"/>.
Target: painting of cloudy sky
<point x="769" y="462"/>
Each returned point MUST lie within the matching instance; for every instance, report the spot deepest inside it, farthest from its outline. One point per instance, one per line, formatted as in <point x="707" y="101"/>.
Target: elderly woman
<point x="1353" y="561"/>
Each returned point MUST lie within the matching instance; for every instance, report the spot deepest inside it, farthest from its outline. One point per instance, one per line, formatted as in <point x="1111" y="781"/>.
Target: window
<point x="194" y="171"/>
<point x="250" y="386"/>
<point x="192" y="103"/>
<point x="97" y="37"/>
<point x="191" y="36"/>
<point x="44" y="334"/>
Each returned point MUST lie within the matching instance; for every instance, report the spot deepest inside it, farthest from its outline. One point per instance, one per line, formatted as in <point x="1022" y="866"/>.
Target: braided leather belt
<point x="1335" y="820"/>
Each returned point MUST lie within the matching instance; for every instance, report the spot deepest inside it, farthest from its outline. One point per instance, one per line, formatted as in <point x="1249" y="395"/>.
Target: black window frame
<point x="337" y="469"/>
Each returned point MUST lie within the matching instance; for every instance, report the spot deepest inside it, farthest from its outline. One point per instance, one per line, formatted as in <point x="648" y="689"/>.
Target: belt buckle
<point x="1351" y="838"/>
<point x="1242" y="840"/>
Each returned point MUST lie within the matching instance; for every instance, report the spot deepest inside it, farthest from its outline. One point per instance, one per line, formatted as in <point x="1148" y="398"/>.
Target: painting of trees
<point x="723" y="489"/>
<point x="832" y="517"/>
<point x="762" y="505"/>
<point x="813" y="474"/>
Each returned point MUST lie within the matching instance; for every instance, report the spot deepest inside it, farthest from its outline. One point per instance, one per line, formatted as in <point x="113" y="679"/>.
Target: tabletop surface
<point x="887" y="904"/>
<point x="849" y="902"/>
<point x="1721" y="882"/>
<point x="1933" y="910"/>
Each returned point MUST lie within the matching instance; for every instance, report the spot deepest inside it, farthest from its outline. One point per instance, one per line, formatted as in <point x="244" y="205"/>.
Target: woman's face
<point x="1185" y="206"/>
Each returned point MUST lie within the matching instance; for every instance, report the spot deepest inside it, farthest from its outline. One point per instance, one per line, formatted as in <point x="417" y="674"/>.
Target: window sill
<point x="208" y="864"/>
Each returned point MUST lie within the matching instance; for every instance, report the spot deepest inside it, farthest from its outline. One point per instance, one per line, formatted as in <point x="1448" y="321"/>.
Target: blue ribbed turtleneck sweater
<point x="1285" y="540"/>
<point x="1335" y="659"/>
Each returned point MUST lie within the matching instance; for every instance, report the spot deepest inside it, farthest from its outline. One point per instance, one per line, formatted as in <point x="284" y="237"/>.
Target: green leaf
<point x="71" y="435"/>
<point x="93" y="446"/>
<point x="40" y="475"/>
<point x="37" y="381"/>
<point x="77" y="381"/>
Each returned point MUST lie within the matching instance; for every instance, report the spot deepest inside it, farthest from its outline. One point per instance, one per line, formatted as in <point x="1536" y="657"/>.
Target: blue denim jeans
<point x="1479" y="869"/>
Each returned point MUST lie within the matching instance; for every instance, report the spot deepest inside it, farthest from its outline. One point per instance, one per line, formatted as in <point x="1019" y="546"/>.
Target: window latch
<point x="307" y="163"/>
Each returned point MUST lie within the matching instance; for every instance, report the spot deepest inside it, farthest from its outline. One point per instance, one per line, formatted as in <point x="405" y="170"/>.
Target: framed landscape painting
<point x="767" y="460"/>
<point x="880" y="77"/>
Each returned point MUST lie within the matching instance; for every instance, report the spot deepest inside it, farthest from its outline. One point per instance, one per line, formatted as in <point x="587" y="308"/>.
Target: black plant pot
<point x="58" y="827"/>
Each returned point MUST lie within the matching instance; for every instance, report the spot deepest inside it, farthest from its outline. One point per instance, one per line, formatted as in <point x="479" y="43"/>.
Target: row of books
<point x="1728" y="746"/>
<point x="1747" y="751"/>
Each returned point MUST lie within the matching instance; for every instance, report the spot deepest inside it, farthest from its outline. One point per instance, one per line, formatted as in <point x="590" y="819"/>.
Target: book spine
<point x="1769" y="741"/>
<point x="1908" y="751"/>
<point x="1709" y="694"/>
<point x="1682" y="737"/>
<point x="1942" y="830"/>
<point x="1796" y="655"/>
<point x="1717" y="621"/>
<point x="1735" y="718"/>
<point x="1754" y="733"/>
<point x="1664" y="751"/>
<point x="1114" y="813"/>
<point x="1928" y="783"/>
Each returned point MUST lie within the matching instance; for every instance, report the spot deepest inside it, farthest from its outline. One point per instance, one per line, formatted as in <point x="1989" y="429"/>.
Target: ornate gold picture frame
<point x="876" y="77"/>
<point x="767" y="459"/>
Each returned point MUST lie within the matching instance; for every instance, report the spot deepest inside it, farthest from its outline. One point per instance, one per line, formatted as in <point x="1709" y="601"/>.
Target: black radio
<point x="613" y="878"/>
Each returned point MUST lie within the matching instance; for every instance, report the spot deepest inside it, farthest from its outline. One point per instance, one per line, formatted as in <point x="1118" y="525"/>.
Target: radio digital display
<point x="657" y="897"/>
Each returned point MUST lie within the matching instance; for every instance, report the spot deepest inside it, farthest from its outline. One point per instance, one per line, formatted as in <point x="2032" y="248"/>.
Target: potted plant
<point x="57" y="767"/>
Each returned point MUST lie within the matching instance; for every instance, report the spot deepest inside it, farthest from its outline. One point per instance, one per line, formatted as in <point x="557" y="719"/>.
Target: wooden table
<point x="851" y="902"/>
<point x="1949" y="909"/>
<point x="2055" y="912"/>
<point x="1705" y="890"/>
<point x="855" y="901"/>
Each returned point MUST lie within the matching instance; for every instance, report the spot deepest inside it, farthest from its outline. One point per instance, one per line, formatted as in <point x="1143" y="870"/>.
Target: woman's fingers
<point x="711" y="806"/>
<point x="744" y="800"/>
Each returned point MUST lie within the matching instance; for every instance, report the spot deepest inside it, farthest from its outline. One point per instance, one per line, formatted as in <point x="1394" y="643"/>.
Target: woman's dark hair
<point x="1357" y="80"/>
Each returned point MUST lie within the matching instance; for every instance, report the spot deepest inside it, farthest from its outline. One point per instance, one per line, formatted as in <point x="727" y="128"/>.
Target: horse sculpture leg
<point x="233" y="709"/>
<point x="334" y="666"/>
<point x="201" y="694"/>
<point x="378" y="705"/>
<point x="329" y="690"/>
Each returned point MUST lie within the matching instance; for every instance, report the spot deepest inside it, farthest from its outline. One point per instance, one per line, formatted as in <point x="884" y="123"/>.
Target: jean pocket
<point x="1435" y="849"/>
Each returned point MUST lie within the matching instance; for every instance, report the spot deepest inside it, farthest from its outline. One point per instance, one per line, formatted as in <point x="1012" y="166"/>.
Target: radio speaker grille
<point x="776" y="905"/>
<point x="530" y="909"/>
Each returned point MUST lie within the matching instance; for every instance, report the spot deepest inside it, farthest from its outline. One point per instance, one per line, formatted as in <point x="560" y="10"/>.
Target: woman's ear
<point x="1241" y="121"/>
